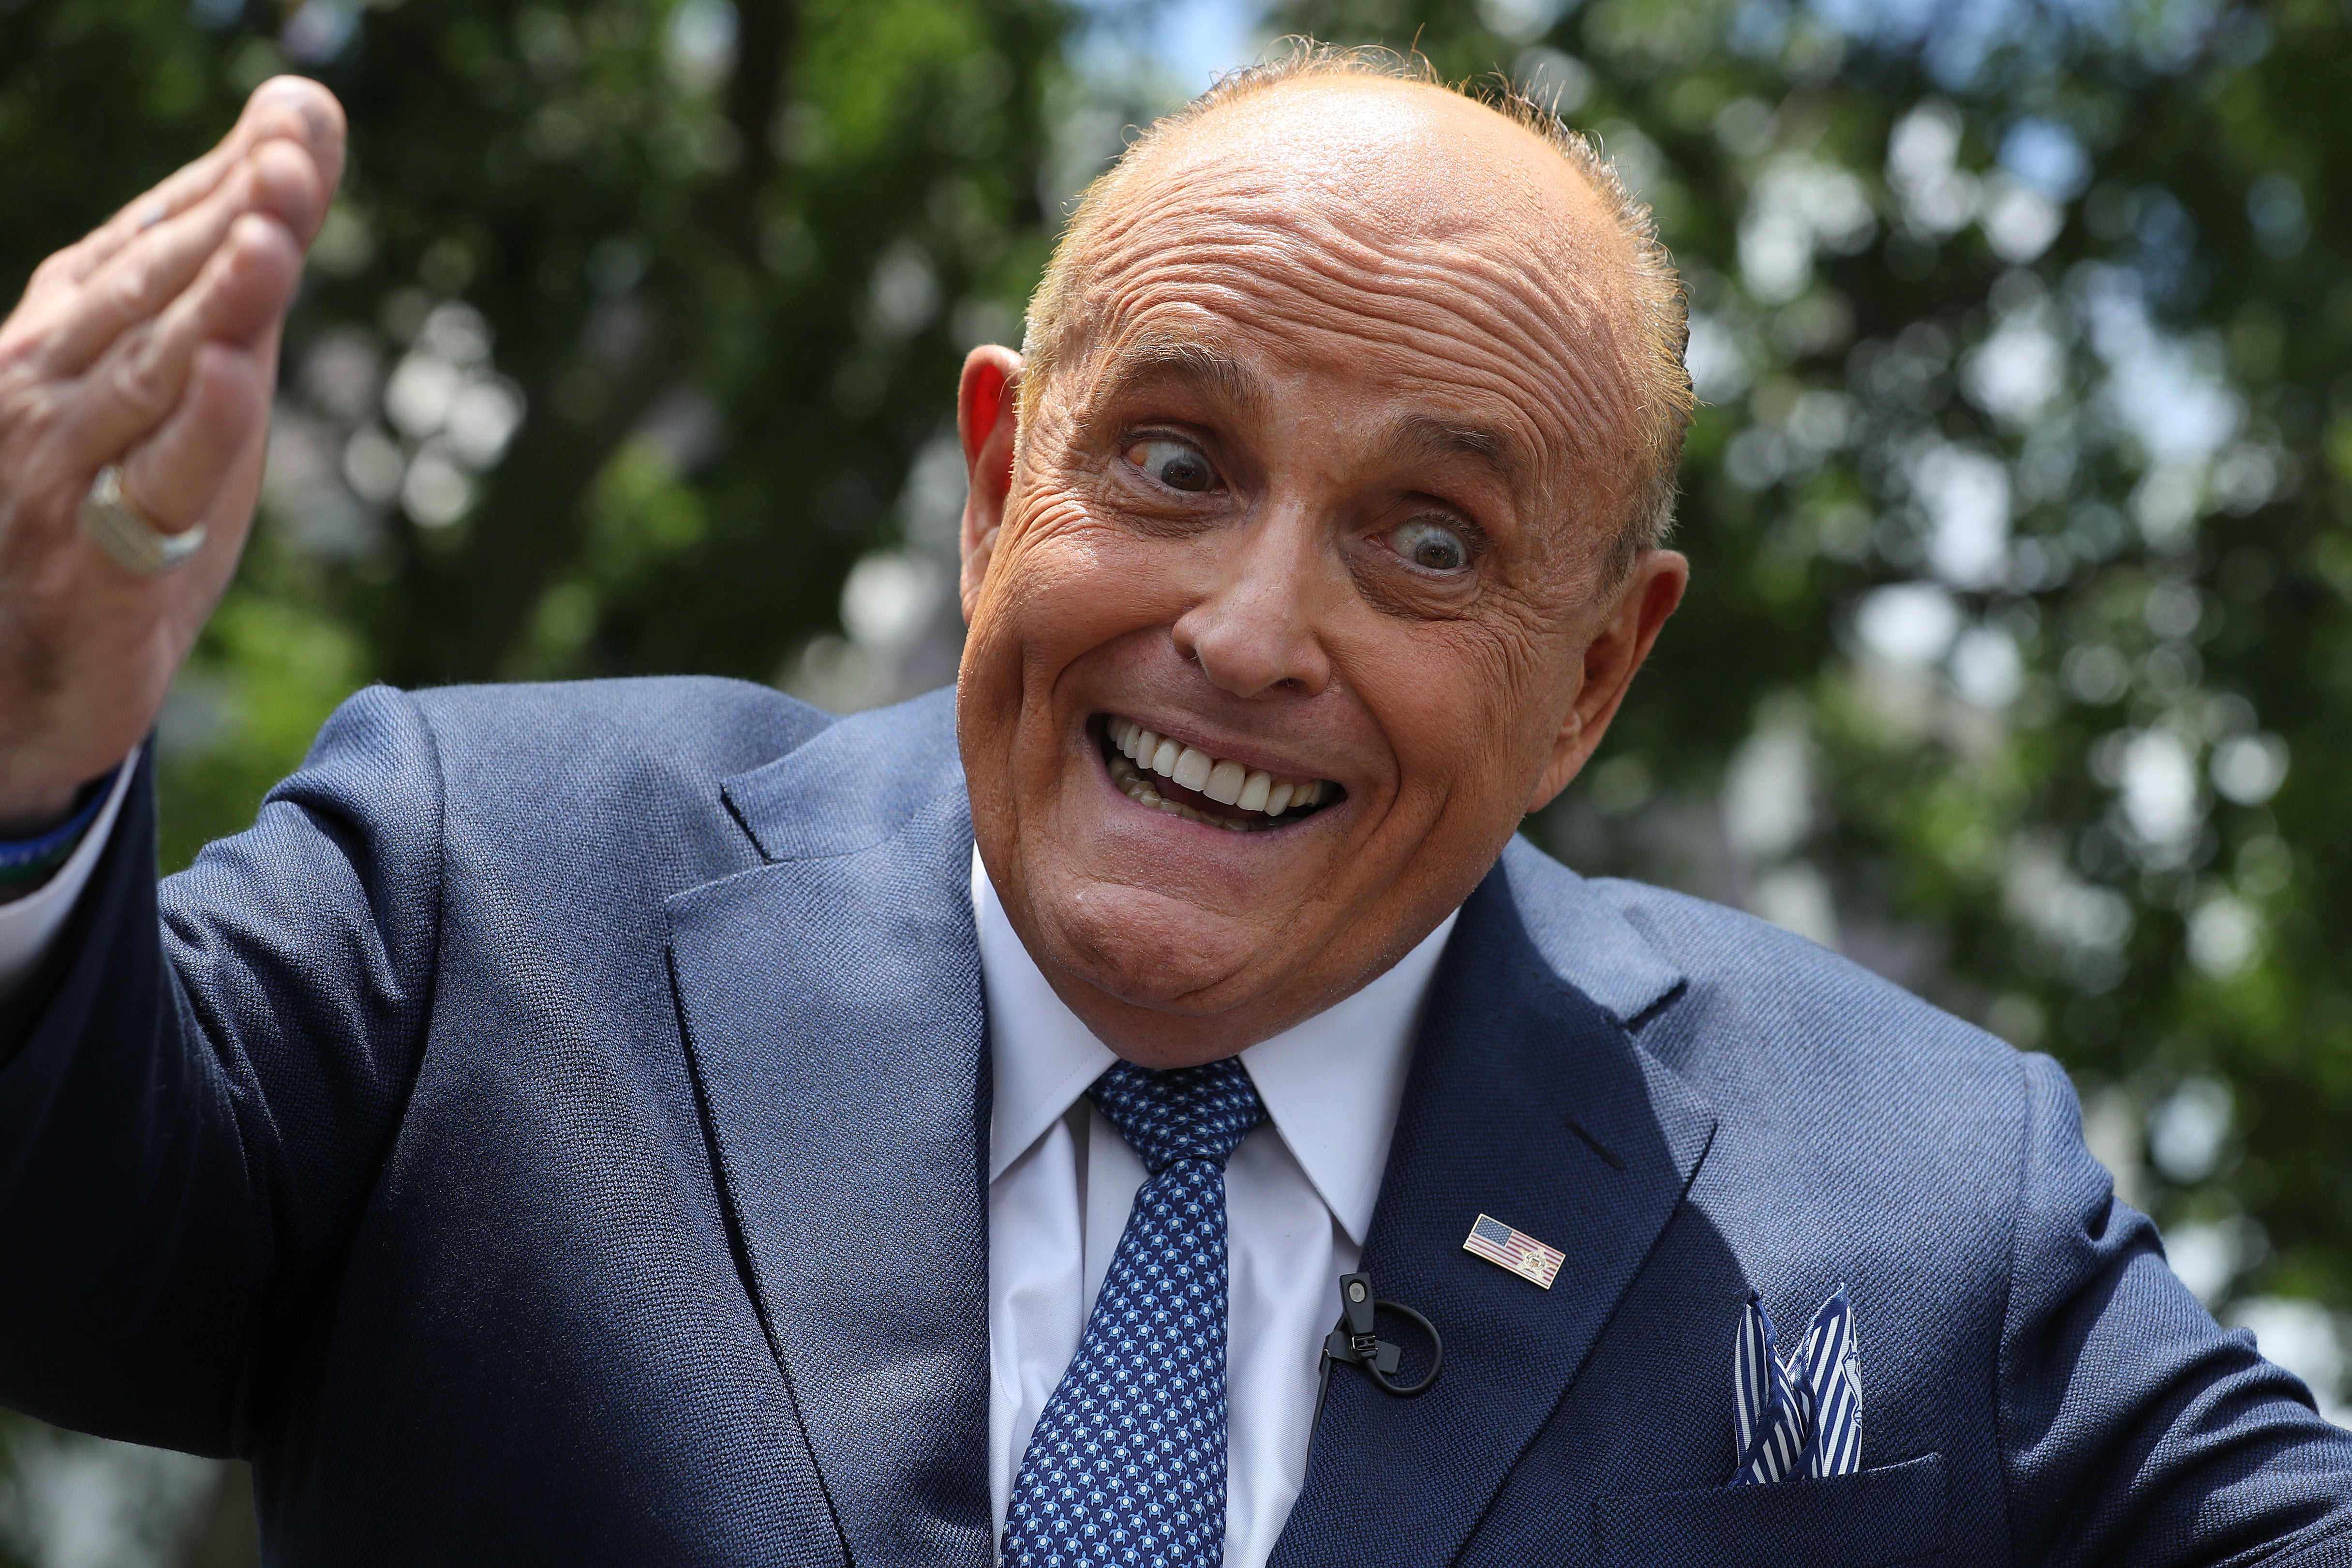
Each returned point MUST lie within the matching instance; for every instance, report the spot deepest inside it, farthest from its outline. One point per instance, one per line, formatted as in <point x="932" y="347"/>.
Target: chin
<point x="1152" y="950"/>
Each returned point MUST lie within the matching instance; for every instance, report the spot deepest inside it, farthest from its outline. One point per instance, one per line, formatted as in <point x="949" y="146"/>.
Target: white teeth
<point x="1225" y="781"/>
<point x="1137" y="787"/>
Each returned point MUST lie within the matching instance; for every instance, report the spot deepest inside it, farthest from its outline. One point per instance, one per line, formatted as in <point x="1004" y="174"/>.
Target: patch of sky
<point x="2167" y="391"/>
<point x="1759" y="28"/>
<point x="1186" y="45"/>
<point x="2019" y="369"/>
<point x="1957" y="41"/>
<point x="1521" y="21"/>
<point x="701" y="39"/>
<point x="318" y="31"/>
<point x="1908" y="624"/>
<point x="1182" y="46"/>
<point x="2047" y="157"/>
<point x="1965" y="495"/>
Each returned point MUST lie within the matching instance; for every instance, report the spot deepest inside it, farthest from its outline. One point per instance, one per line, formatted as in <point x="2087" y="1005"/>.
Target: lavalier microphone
<point x="1353" y="1341"/>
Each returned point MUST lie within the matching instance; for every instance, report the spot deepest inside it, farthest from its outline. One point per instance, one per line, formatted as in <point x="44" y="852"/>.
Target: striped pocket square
<point x="1801" y="1416"/>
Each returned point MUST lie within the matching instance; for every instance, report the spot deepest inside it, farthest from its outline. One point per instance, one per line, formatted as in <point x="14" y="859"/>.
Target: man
<point x="657" y="1122"/>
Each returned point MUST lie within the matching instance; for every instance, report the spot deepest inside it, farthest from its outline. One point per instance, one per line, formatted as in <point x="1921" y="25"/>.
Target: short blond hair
<point x="1662" y="328"/>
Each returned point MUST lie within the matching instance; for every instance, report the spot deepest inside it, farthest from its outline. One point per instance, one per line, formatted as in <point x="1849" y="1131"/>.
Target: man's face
<point x="1297" y="595"/>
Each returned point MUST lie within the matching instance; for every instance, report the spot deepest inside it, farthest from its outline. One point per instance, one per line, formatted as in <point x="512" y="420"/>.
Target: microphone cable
<point x="1353" y="1341"/>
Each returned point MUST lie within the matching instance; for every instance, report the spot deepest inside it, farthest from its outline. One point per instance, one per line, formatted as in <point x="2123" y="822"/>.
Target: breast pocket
<point x="1872" y="1518"/>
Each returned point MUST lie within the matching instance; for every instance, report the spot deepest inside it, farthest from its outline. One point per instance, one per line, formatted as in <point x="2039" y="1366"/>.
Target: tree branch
<point x="762" y="46"/>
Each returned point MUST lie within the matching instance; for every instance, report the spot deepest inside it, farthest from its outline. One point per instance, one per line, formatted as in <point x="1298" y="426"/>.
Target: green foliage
<point x="265" y="674"/>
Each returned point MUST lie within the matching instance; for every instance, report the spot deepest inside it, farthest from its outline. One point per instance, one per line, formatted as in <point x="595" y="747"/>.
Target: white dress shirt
<point x="1298" y="1197"/>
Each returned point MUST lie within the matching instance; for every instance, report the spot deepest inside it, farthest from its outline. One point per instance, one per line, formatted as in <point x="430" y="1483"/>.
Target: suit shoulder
<point x="589" y="782"/>
<point x="687" y="725"/>
<point x="1757" y="1002"/>
<point x="637" y="756"/>
<point x="1839" y="1084"/>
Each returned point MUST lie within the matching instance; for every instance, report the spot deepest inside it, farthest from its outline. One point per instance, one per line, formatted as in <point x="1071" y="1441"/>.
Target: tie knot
<point x="1180" y="1113"/>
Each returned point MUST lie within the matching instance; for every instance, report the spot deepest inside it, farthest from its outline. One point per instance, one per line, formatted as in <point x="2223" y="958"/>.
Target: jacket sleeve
<point x="198" y="1091"/>
<point x="2133" y="1428"/>
<point x="30" y="923"/>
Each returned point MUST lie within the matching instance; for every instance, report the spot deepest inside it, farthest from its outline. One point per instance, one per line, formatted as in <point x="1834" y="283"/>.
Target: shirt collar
<point x="1331" y="1084"/>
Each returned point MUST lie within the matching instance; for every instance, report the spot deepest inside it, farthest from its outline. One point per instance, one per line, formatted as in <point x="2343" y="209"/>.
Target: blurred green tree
<point x="629" y="325"/>
<point x="2016" y="658"/>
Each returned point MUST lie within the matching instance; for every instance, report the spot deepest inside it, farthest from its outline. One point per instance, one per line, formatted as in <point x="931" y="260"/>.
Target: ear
<point x="1652" y="587"/>
<point x="987" y="418"/>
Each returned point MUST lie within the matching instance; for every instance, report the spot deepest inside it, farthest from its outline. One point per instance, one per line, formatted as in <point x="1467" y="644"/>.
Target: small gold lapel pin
<point x="1515" y="1250"/>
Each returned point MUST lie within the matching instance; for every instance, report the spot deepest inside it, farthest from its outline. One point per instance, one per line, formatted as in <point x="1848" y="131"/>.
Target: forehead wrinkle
<point x="1543" y="313"/>
<point x="1510" y="434"/>
<point x="1574" y="403"/>
<point x="1529" y="313"/>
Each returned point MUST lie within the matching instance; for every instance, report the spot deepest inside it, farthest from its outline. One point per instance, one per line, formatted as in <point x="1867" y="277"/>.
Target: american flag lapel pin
<point x="1515" y="1250"/>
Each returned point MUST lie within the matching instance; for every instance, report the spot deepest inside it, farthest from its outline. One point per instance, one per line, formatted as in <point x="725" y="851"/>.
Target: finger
<point x="70" y="326"/>
<point x="284" y="181"/>
<point x="287" y="109"/>
<point x="174" y="476"/>
<point x="142" y="280"/>
<point x="325" y="132"/>
<point x="175" y="195"/>
<point x="238" y="300"/>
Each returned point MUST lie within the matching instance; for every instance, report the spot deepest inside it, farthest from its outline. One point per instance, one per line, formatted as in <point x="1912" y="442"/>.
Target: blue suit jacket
<point x="554" y="1133"/>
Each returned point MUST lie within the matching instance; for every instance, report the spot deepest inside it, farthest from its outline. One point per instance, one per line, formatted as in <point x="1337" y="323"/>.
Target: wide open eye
<point x="1430" y="544"/>
<point x="1179" y="465"/>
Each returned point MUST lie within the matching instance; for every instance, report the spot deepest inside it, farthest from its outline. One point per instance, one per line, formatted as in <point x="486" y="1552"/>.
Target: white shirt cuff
<point x="29" y="926"/>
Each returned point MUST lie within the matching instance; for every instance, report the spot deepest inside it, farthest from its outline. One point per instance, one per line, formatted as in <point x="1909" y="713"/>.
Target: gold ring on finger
<point x="125" y="532"/>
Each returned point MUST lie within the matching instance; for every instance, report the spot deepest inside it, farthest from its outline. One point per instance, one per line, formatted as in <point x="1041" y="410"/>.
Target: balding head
<point x="1365" y="138"/>
<point x="1317" y="548"/>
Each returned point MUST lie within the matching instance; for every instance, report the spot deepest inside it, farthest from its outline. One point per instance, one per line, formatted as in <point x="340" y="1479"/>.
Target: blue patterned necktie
<point x="1128" y="1462"/>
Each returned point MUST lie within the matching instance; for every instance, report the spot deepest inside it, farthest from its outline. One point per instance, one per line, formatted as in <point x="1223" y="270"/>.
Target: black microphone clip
<point x="1354" y="1342"/>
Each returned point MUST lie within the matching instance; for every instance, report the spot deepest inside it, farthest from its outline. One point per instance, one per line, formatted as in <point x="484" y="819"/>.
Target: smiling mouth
<point x="1184" y="781"/>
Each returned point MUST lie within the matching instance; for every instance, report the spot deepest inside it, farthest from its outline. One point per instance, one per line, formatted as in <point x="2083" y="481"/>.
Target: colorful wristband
<point x="26" y="858"/>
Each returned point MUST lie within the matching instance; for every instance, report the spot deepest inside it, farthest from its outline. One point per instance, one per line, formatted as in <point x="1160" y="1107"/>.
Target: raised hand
<point x="152" y="345"/>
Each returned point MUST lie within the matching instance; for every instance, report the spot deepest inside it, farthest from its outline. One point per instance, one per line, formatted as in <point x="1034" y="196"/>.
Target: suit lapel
<point x="832" y="1012"/>
<point x="1529" y="1101"/>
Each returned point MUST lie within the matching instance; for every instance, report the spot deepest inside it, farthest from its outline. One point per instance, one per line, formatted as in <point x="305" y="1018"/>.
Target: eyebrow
<point x="1421" y="436"/>
<point x="1493" y="447"/>
<point x="1233" y="380"/>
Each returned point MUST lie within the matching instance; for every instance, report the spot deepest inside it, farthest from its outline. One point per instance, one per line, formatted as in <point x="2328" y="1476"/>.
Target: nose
<point x="1257" y="629"/>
